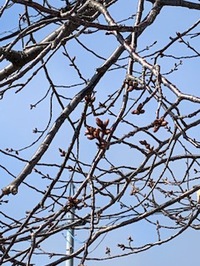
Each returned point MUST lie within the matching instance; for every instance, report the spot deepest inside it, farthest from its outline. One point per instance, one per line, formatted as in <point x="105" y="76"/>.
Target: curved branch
<point x="177" y="3"/>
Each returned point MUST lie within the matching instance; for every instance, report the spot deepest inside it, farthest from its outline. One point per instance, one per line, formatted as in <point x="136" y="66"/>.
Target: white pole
<point x="70" y="231"/>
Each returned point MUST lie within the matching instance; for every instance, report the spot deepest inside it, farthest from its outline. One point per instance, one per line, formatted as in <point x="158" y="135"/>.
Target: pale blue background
<point x="181" y="251"/>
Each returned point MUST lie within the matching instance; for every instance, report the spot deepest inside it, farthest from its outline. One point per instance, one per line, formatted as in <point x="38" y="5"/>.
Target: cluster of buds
<point x="11" y="150"/>
<point x="160" y="122"/>
<point x="134" y="190"/>
<point x="107" y="251"/>
<point x="132" y="85"/>
<point x="139" y="110"/>
<point x="62" y="152"/>
<point x="151" y="183"/>
<point x="147" y="145"/>
<point x="89" y="99"/>
<point x="73" y="202"/>
<point x="122" y="246"/>
<point x="99" y="133"/>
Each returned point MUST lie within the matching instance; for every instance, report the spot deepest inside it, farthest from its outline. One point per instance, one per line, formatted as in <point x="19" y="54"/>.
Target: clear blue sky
<point x="18" y="121"/>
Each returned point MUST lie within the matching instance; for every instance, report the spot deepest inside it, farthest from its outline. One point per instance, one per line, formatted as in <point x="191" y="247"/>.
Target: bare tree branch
<point x="99" y="128"/>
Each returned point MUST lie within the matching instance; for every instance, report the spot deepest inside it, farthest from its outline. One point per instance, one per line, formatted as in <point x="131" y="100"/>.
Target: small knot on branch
<point x="11" y="189"/>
